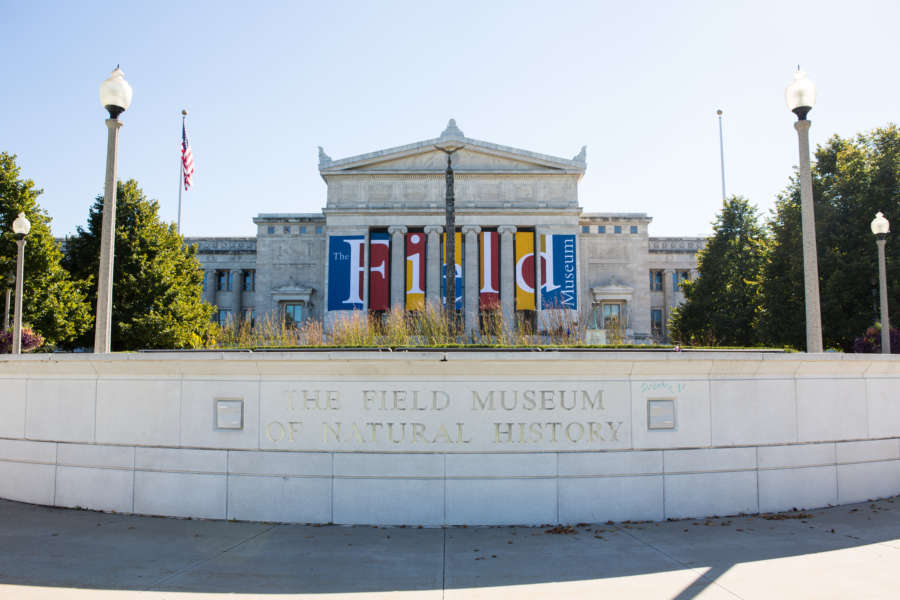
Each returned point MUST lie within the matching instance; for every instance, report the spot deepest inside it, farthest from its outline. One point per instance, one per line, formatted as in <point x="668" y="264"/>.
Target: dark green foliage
<point x="721" y="305"/>
<point x="853" y="179"/>
<point x="53" y="303"/>
<point x="157" y="281"/>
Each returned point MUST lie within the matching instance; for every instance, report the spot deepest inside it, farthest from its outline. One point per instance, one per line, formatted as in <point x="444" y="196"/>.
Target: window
<point x="287" y="229"/>
<point x="205" y="277"/>
<point x="249" y="315"/>
<point x="656" y="322"/>
<point x="586" y="229"/>
<point x="271" y="230"/>
<point x="292" y="314"/>
<point x="221" y="316"/>
<point x="610" y="312"/>
<point x="318" y="230"/>
<point x="634" y="229"/>
<point x="679" y="278"/>
<point x="656" y="281"/>
<point x="601" y="229"/>
<point x="303" y="230"/>
<point x="618" y="229"/>
<point x="249" y="281"/>
<point x="224" y="281"/>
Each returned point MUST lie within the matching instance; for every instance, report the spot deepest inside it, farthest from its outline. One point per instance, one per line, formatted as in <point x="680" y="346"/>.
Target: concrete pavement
<point x="841" y="552"/>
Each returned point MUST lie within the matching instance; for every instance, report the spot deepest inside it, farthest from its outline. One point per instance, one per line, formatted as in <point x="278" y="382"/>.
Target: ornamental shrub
<point x="30" y="340"/>
<point x="870" y="341"/>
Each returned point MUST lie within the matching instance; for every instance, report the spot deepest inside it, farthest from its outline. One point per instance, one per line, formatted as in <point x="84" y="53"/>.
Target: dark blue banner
<point x="558" y="272"/>
<point x="346" y="269"/>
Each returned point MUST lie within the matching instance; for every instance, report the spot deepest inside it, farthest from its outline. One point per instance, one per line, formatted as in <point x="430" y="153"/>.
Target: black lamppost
<point x="450" y="248"/>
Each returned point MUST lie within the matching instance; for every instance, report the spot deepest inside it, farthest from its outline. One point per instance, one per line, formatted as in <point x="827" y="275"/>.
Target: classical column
<point x="367" y="257"/>
<point x="236" y="293"/>
<point x="210" y="293"/>
<point x="398" y="266"/>
<point x="433" y="264"/>
<point x="669" y="293"/>
<point x="507" y="274"/>
<point x="471" y="272"/>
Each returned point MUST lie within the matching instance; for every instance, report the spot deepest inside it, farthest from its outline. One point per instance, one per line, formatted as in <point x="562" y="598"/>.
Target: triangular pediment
<point x="476" y="157"/>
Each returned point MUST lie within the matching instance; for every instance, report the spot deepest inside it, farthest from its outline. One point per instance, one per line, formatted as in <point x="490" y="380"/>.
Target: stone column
<point x="210" y="293"/>
<point x="507" y="274"/>
<point x="236" y="293"/>
<point x="471" y="272"/>
<point x="398" y="266"/>
<point x="433" y="264"/>
<point x="367" y="250"/>
<point x="669" y="294"/>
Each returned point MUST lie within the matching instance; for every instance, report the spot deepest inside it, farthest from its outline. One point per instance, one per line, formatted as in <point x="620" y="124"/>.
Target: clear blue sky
<point x="265" y="83"/>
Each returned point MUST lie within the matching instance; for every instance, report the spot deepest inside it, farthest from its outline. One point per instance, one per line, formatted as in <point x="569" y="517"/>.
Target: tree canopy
<point x="53" y="302"/>
<point x="157" y="280"/>
<point x="853" y="179"/>
<point x="721" y="305"/>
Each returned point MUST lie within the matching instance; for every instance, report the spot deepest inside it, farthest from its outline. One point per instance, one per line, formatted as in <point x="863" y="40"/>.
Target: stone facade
<point x="401" y="191"/>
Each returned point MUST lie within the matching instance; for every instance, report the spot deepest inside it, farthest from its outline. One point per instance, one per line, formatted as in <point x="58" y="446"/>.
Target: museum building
<point x="379" y="243"/>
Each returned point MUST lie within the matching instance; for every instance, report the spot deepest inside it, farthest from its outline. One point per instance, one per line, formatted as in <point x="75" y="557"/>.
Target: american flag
<point x="187" y="159"/>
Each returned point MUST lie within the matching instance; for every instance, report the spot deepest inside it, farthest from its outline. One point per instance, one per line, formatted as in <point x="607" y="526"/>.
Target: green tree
<point x="53" y="302"/>
<point x="852" y="180"/>
<point x="721" y="304"/>
<point x="157" y="280"/>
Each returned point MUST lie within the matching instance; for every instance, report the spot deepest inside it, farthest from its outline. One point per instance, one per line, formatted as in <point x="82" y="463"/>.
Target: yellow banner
<point x="524" y="271"/>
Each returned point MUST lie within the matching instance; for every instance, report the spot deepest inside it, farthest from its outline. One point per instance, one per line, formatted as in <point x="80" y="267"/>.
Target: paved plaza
<point x="841" y="552"/>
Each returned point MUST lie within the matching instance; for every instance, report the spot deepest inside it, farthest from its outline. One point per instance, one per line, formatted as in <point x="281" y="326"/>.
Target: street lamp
<point x="115" y="96"/>
<point x="880" y="227"/>
<point x="10" y="280"/>
<point x="449" y="149"/>
<point x="800" y="97"/>
<point x="21" y="227"/>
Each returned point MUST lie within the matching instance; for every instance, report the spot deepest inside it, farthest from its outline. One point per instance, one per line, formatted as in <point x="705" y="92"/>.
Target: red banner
<point x="380" y="272"/>
<point x="490" y="270"/>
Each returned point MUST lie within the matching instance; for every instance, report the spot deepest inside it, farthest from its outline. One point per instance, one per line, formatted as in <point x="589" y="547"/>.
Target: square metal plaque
<point x="229" y="413"/>
<point x="661" y="413"/>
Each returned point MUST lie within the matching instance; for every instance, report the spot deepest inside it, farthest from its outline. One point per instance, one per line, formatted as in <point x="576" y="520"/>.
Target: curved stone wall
<point x="478" y="438"/>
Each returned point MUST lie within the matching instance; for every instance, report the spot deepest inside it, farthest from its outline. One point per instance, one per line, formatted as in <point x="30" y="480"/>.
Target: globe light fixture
<point x="881" y="227"/>
<point x="800" y="96"/>
<point x="115" y="93"/>
<point x="21" y="227"/>
<point x="115" y="96"/>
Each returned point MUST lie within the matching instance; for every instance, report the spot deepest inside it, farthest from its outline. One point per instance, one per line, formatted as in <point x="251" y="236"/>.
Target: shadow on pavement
<point x="850" y="550"/>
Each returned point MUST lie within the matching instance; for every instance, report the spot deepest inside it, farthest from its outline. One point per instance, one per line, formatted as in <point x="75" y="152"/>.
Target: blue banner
<point x="559" y="272"/>
<point x="346" y="269"/>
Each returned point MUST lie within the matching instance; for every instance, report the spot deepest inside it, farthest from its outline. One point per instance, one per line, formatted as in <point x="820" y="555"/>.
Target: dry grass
<point x="428" y="327"/>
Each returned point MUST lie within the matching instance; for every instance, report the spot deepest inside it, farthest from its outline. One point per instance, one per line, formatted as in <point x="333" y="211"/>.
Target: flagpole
<point x="722" y="153"/>
<point x="181" y="179"/>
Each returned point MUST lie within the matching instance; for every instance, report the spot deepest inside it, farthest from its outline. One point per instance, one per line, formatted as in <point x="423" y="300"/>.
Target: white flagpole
<point x="180" y="184"/>
<point x="181" y="179"/>
<point x="722" y="153"/>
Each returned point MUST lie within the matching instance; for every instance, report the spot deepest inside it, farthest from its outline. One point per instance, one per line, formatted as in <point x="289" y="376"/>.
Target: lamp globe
<point x="115" y="93"/>
<point x="800" y="95"/>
